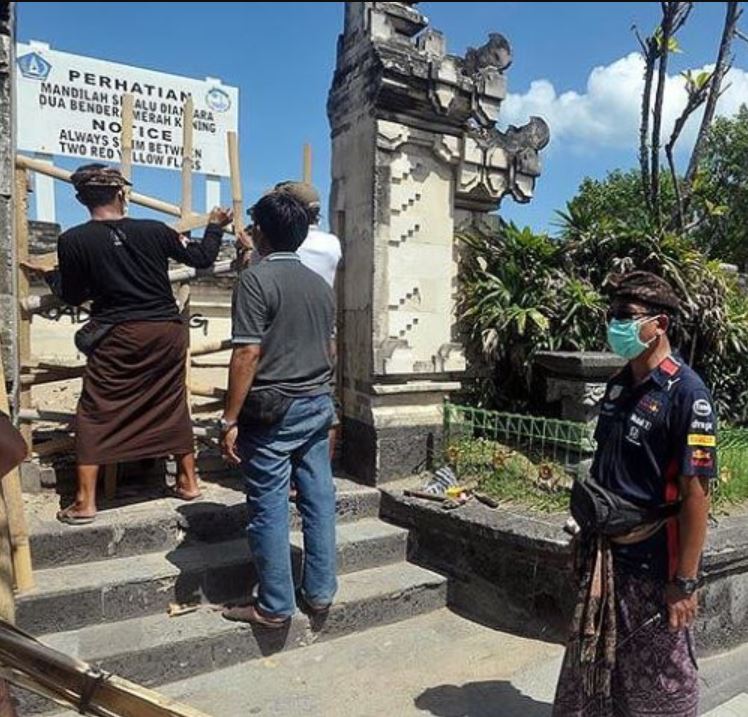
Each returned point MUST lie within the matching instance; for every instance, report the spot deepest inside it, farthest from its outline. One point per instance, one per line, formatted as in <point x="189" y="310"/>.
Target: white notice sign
<point x="70" y="105"/>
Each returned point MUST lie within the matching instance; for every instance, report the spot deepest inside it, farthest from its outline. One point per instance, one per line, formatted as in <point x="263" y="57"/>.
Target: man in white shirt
<point x="320" y="251"/>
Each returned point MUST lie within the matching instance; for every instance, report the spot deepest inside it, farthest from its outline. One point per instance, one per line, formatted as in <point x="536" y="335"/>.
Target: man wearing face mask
<point x="630" y="651"/>
<point x="134" y="402"/>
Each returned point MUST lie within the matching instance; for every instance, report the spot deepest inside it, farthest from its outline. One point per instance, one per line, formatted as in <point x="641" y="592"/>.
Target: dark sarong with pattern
<point x="654" y="672"/>
<point x="134" y="399"/>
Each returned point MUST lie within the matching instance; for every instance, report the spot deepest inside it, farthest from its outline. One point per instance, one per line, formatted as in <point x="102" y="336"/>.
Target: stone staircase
<point x="103" y="591"/>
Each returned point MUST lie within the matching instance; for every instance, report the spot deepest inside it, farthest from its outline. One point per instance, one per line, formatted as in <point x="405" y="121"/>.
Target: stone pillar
<point x="577" y="380"/>
<point x="415" y="155"/>
<point x="7" y="140"/>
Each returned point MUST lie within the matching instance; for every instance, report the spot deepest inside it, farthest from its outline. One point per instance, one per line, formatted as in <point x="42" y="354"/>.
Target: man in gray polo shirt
<point x="279" y="411"/>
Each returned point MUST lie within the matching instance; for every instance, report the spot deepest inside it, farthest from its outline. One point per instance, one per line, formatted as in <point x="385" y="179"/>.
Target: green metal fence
<point x="567" y="442"/>
<point x="563" y="442"/>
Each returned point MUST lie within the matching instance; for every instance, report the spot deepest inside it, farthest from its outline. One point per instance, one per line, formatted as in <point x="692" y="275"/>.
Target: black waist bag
<point x="89" y="336"/>
<point x="600" y="511"/>
<point x="264" y="408"/>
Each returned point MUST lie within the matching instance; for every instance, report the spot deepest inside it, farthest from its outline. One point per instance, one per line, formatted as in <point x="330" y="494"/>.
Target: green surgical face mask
<point x="623" y="337"/>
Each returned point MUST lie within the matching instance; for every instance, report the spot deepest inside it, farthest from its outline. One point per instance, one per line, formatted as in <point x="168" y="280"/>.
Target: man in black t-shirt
<point x="134" y="402"/>
<point x="630" y="651"/>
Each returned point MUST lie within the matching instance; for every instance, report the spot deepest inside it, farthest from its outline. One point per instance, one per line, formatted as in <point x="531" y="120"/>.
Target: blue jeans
<point x="297" y="445"/>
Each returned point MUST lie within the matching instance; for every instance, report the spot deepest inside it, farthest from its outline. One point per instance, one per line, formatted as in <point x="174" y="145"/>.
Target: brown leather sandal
<point x="252" y="614"/>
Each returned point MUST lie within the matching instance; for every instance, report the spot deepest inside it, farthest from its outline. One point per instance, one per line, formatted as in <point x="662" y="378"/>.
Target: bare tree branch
<point x="724" y="60"/>
<point x="663" y="42"/>
<point x="698" y="89"/>
<point x="649" y="51"/>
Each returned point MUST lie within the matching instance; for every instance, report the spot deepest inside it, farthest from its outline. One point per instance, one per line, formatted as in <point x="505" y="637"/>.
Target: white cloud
<point x="607" y="114"/>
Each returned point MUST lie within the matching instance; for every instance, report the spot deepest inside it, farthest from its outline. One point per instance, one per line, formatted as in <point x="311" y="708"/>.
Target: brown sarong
<point x="134" y="399"/>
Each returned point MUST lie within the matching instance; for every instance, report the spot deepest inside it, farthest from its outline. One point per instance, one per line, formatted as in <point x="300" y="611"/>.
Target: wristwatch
<point x="688" y="586"/>
<point x="226" y="426"/>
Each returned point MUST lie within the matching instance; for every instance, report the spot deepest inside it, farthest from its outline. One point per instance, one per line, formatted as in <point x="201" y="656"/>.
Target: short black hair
<point x="97" y="196"/>
<point x="283" y="220"/>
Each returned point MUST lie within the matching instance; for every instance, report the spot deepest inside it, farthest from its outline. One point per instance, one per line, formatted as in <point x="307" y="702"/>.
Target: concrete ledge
<point x="165" y="523"/>
<point x="74" y="596"/>
<point x="512" y="569"/>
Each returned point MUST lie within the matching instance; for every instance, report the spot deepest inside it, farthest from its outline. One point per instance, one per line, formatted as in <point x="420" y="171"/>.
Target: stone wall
<point x="513" y="569"/>
<point x="7" y="306"/>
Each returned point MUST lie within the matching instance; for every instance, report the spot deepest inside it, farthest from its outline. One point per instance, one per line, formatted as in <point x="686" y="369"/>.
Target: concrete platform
<point x="154" y="649"/>
<point x="437" y="664"/>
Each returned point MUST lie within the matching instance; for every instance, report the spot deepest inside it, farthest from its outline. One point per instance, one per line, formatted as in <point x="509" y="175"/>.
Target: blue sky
<point x="573" y="64"/>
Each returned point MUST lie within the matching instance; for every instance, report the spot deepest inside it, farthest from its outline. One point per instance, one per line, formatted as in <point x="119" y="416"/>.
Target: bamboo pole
<point x="111" y="471"/>
<point x="24" y="317"/>
<point x="13" y="504"/>
<point x="36" y="304"/>
<point x="47" y="377"/>
<point x="32" y="665"/>
<point x="63" y="444"/>
<point x="188" y="113"/>
<point x="236" y="180"/>
<point x="47" y="365"/>
<point x="186" y="205"/>
<point x="198" y="389"/>
<point x="185" y="292"/>
<point x="7" y="600"/>
<point x="126" y="138"/>
<point x="307" y="164"/>
<point x="194" y="221"/>
<point x="58" y="173"/>
<point x="212" y="347"/>
<point x="210" y="407"/>
<point x="42" y="414"/>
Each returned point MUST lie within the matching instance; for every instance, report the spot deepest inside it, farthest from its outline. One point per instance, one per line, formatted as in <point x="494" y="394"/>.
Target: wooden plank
<point x="126" y="138"/>
<point x="306" y="173"/>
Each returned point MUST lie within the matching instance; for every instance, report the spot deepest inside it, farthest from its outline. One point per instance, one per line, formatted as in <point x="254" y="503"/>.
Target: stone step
<point x="76" y="595"/>
<point x="156" y="649"/>
<point x="736" y="707"/>
<point x="162" y="524"/>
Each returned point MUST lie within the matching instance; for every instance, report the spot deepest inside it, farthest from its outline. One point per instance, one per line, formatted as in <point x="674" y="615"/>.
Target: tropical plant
<point x="525" y="292"/>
